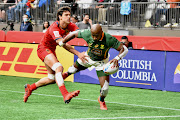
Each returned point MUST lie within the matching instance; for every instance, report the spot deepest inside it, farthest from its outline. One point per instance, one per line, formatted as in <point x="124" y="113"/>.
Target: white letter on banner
<point x="133" y="64"/>
<point x="117" y="74"/>
<point x="120" y="72"/>
<point x="129" y="75"/>
<point x="144" y="76"/>
<point x="129" y="64"/>
<point x="120" y="63"/>
<point x="149" y="76"/>
<point x="153" y="78"/>
<point x="137" y="67"/>
<point x="137" y="76"/>
<point x="148" y="64"/>
<point x="142" y="64"/>
<point x="124" y="74"/>
<point x="124" y="63"/>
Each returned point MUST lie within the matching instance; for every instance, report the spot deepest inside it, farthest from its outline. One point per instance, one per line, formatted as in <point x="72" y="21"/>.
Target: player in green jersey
<point x="99" y="44"/>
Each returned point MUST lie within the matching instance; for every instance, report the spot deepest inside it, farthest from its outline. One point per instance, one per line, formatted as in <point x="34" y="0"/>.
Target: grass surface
<point x="47" y="102"/>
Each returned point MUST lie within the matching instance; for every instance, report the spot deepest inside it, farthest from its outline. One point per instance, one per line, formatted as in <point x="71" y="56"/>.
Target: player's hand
<point x="82" y="56"/>
<point x="115" y="62"/>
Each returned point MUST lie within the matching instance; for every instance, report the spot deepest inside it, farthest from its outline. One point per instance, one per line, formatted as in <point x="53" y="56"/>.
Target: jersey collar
<point x="102" y="36"/>
<point x="58" y="23"/>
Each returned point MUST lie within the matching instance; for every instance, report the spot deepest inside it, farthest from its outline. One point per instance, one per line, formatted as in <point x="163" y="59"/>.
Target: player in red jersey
<point x="46" y="52"/>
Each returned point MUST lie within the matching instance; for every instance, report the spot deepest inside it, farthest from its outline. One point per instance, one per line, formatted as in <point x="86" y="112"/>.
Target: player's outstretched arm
<point x="69" y="37"/>
<point x="123" y="50"/>
<point x="81" y="56"/>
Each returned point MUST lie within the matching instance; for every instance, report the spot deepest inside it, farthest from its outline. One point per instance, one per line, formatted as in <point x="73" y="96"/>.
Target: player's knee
<point x="56" y="65"/>
<point x="72" y="70"/>
<point x="104" y="90"/>
<point x="51" y="76"/>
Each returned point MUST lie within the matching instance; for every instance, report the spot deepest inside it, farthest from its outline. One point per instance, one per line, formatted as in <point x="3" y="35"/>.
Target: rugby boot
<point x="65" y="75"/>
<point x="27" y="93"/>
<point x="70" y="95"/>
<point x="102" y="104"/>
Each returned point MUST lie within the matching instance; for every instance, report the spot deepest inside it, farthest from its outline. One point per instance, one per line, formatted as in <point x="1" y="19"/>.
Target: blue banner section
<point x="86" y="76"/>
<point x="172" y="76"/>
<point x="140" y="69"/>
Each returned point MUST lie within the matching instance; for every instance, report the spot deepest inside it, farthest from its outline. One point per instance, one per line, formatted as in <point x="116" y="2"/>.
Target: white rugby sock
<point x="59" y="78"/>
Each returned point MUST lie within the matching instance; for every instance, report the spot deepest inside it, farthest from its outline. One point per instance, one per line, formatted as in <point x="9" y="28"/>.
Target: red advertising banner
<point x="139" y="42"/>
<point x="24" y="37"/>
<point x="2" y="35"/>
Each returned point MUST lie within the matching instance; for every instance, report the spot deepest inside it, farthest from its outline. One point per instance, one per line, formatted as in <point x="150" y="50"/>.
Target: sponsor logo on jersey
<point x="96" y="45"/>
<point x="90" y="44"/>
<point x="97" y="52"/>
<point x="102" y="46"/>
<point x="56" y="33"/>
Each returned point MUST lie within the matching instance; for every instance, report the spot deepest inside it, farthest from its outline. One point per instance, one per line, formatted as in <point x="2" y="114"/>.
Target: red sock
<point x="63" y="90"/>
<point x="65" y="75"/>
<point x="33" y="87"/>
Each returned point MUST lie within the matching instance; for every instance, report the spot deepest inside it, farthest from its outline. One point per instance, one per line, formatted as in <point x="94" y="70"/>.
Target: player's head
<point x="64" y="14"/>
<point x="125" y="41"/>
<point x="96" y="32"/>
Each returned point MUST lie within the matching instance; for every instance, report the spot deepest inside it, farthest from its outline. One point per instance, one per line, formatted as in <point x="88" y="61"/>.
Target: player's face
<point x="96" y="36"/>
<point x="66" y="16"/>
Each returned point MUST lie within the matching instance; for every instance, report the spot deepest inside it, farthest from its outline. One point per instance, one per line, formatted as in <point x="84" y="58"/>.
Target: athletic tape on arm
<point x="61" y="43"/>
<point x="123" y="54"/>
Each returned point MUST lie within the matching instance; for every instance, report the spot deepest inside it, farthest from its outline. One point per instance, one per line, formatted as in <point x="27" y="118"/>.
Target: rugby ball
<point x="109" y="68"/>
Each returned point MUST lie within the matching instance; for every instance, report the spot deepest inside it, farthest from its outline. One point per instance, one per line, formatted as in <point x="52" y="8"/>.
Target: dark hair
<point x="61" y="10"/>
<point x="85" y="14"/>
<point x="48" y="24"/>
<point x="75" y="17"/>
<point x="124" y="37"/>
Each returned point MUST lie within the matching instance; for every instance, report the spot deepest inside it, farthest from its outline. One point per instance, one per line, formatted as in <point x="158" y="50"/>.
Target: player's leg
<point x="54" y="64"/>
<point x="44" y="81"/>
<point x="47" y="80"/>
<point x="76" y="67"/>
<point x="104" y="83"/>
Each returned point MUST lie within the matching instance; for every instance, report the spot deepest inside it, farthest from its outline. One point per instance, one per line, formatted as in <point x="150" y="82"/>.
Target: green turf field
<point x="47" y="102"/>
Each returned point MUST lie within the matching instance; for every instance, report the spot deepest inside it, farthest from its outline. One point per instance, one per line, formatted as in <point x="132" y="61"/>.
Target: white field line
<point x="96" y="101"/>
<point x="111" y="118"/>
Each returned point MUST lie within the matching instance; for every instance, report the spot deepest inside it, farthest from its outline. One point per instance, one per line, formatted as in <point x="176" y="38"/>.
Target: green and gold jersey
<point x="98" y="50"/>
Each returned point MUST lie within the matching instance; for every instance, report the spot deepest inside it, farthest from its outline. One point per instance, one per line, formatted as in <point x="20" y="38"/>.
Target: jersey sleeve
<point x="74" y="27"/>
<point x="83" y="33"/>
<point x="113" y="42"/>
<point x="55" y="33"/>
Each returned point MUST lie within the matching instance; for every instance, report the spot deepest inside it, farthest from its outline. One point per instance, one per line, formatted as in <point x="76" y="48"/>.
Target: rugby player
<point x="99" y="44"/>
<point x="46" y="52"/>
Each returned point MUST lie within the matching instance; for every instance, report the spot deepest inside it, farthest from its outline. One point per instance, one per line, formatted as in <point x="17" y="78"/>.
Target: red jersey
<point x="53" y="33"/>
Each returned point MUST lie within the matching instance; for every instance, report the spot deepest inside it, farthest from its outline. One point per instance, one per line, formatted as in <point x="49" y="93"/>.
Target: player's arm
<point x="81" y="56"/>
<point x="69" y="37"/>
<point x="123" y="50"/>
<point x="72" y="50"/>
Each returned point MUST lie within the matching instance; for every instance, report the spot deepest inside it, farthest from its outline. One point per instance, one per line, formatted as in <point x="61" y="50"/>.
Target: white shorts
<point x="97" y="64"/>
